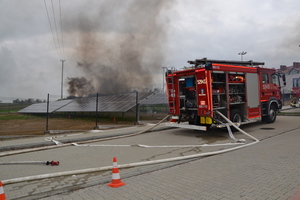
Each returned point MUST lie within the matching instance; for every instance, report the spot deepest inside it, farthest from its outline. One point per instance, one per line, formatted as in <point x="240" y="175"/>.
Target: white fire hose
<point x="59" y="145"/>
<point x="52" y="163"/>
<point x="97" y="169"/>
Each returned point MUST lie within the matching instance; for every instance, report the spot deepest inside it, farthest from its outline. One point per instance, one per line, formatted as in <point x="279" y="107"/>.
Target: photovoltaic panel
<point x="155" y="98"/>
<point x="42" y="107"/>
<point x="80" y="105"/>
<point x="106" y="103"/>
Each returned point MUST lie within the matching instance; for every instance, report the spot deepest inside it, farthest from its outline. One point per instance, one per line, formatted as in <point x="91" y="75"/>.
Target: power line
<point x="61" y="30"/>
<point x="51" y="28"/>
<point x="59" y="47"/>
<point x="54" y="20"/>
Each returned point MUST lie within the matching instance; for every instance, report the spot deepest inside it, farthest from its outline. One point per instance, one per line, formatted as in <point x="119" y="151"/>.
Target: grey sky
<point x="30" y="63"/>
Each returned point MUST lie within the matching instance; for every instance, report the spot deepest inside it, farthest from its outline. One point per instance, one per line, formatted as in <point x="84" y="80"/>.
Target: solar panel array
<point x="155" y="98"/>
<point x="80" y="105"/>
<point x="42" y="107"/>
<point x="106" y="103"/>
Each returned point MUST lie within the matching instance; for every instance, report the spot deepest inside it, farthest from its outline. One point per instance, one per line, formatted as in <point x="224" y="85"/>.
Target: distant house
<point x="294" y="69"/>
<point x="291" y="72"/>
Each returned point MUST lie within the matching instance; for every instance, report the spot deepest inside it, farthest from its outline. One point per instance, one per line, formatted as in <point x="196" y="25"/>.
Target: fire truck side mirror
<point x="283" y="79"/>
<point x="208" y="66"/>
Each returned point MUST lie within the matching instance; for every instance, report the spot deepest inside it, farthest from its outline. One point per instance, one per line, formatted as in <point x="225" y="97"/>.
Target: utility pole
<point x="62" y="77"/>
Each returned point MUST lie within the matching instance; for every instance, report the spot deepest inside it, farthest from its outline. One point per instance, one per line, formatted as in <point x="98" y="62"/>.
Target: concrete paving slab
<point x="283" y="126"/>
<point x="268" y="170"/>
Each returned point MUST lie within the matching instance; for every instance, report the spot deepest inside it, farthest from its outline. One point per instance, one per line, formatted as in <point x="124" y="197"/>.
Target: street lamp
<point x="242" y="53"/>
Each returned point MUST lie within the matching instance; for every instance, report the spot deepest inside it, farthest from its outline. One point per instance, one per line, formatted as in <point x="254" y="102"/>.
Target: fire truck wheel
<point x="236" y="116"/>
<point x="272" y="114"/>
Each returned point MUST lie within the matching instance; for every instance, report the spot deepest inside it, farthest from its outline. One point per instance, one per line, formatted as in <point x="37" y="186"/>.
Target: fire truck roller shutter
<point x="252" y="107"/>
<point x="252" y="90"/>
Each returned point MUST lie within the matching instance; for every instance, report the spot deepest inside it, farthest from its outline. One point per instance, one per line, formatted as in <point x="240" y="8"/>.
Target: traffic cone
<point x="116" y="180"/>
<point x="2" y="195"/>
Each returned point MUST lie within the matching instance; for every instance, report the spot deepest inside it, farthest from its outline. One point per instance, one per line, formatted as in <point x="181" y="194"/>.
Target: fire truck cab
<point x="240" y="90"/>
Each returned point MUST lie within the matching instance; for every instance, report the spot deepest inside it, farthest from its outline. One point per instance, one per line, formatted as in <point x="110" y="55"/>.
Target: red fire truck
<point x="295" y="93"/>
<point x="240" y="90"/>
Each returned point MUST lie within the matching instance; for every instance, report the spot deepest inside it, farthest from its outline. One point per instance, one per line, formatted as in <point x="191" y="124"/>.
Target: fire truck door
<point x="252" y="91"/>
<point x="204" y="100"/>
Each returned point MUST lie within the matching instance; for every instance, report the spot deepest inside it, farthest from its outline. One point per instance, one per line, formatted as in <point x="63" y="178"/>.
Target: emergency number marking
<point x="201" y="81"/>
<point x="266" y="86"/>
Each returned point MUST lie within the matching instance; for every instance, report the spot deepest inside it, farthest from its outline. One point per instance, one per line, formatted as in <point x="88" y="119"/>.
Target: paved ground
<point x="267" y="170"/>
<point x="287" y="109"/>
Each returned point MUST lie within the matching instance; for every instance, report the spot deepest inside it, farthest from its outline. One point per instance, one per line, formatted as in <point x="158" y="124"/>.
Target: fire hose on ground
<point x="151" y="146"/>
<point x="82" y="171"/>
<point x="59" y="145"/>
<point x="52" y="163"/>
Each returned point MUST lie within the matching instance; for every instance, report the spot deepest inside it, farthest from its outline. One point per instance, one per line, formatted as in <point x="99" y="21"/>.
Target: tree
<point x="16" y="101"/>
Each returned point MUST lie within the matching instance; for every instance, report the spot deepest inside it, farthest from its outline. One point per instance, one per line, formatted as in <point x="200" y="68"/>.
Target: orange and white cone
<point x="116" y="180"/>
<point x="2" y="195"/>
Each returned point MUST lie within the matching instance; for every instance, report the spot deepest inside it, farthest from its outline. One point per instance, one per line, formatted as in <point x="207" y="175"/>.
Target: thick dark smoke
<point x="121" y="46"/>
<point x="79" y="86"/>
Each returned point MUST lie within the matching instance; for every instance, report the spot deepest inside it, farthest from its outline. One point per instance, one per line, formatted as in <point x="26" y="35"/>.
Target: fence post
<point x="96" y="127"/>
<point x="137" y="109"/>
<point x="47" y="115"/>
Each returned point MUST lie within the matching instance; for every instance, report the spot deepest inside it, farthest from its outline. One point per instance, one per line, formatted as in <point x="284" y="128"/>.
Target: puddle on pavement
<point x="212" y="136"/>
<point x="267" y="128"/>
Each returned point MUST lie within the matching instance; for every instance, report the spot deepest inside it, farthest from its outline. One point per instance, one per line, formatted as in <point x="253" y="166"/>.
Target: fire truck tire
<point x="272" y="114"/>
<point x="236" y="116"/>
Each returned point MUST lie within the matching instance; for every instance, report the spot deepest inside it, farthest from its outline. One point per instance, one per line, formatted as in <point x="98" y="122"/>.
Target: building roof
<point x="294" y="69"/>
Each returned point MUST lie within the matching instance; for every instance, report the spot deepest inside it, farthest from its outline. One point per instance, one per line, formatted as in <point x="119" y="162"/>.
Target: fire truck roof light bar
<point x="232" y="62"/>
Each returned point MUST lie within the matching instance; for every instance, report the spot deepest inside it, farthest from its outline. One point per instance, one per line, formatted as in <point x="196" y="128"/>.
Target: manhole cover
<point x="267" y="128"/>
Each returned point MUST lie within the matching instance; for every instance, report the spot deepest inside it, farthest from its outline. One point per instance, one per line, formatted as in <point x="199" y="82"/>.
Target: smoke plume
<point x="120" y="46"/>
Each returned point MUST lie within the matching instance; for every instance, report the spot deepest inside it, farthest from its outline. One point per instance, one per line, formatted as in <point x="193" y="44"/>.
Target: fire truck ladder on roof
<point x="203" y="61"/>
<point x="172" y="91"/>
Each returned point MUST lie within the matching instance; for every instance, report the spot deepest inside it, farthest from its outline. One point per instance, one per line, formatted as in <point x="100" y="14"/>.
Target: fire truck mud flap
<point x="188" y="126"/>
